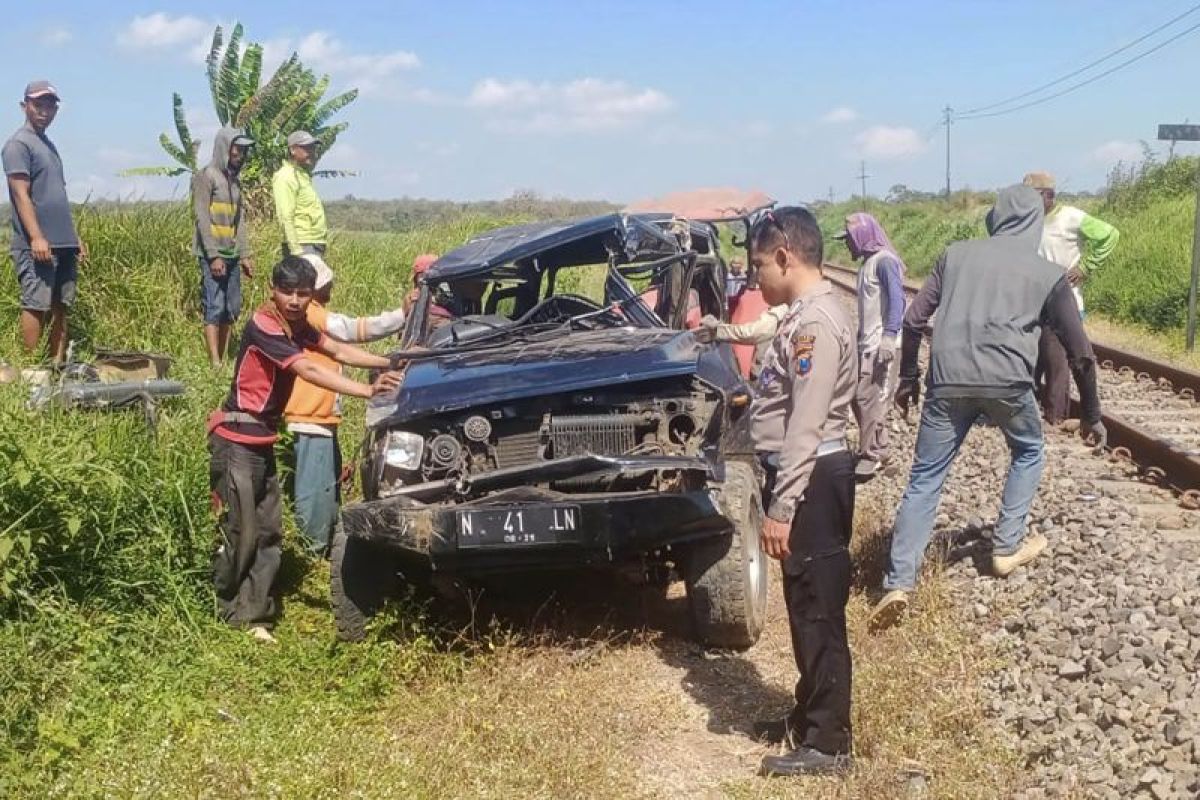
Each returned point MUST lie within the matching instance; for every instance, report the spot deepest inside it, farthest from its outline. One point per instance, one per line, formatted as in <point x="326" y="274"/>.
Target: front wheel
<point x="726" y="576"/>
<point x="362" y="577"/>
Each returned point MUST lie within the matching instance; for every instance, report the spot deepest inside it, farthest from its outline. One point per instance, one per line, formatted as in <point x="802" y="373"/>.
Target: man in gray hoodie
<point x="221" y="242"/>
<point x="992" y="298"/>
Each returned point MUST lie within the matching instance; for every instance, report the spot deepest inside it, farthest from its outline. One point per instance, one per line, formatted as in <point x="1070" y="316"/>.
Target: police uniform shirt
<point x="805" y="389"/>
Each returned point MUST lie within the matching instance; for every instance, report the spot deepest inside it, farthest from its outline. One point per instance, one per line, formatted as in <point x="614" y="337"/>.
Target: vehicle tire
<point x="362" y="577"/>
<point x="726" y="576"/>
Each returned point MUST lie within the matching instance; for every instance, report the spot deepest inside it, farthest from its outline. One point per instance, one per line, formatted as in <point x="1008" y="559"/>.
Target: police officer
<point x="806" y="389"/>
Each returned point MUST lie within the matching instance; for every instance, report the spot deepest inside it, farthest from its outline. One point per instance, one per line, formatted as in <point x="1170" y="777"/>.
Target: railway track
<point x="1150" y="409"/>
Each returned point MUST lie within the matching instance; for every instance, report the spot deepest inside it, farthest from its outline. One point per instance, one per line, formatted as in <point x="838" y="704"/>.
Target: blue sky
<point x="622" y="99"/>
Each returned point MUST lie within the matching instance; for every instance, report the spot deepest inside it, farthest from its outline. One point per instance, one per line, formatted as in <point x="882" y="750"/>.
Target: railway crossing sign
<point x="1189" y="133"/>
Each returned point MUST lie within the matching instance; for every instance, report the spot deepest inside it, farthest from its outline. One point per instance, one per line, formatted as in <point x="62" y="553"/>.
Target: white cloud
<point x="160" y="32"/>
<point x="366" y="71"/>
<point x="839" y="115"/>
<point x="585" y="104"/>
<point x="274" y="52"/>
<point x="1117" y="150"/>
<point x="55" y="37"/>
<point x="203" y="125"/>
<point x="889" y="142"/>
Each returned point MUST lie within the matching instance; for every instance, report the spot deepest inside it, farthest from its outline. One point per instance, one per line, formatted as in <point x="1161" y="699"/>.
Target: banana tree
<point x="292" y="99"/>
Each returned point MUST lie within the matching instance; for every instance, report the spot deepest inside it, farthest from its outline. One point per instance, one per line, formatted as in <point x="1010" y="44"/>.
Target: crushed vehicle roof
<point x="565" y="243"/>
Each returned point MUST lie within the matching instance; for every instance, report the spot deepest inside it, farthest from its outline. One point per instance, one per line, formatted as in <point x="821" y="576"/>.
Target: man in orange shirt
<point x="313" y="413"/>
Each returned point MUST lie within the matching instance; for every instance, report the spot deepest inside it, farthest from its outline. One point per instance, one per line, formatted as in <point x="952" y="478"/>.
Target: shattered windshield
<point x="648" y="273"/>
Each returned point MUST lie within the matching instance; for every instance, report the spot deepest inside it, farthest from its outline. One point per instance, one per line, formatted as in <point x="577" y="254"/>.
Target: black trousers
<point x="816" y="587"/>
<point x="1052" y="377"/>
<point x="250" y="520"/>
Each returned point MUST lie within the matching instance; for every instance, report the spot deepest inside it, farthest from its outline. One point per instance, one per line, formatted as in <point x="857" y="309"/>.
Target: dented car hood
<point x="569" y="362"/>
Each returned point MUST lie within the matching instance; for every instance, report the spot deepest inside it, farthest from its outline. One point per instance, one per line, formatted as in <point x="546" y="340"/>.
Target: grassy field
<point x="118" y="682"/>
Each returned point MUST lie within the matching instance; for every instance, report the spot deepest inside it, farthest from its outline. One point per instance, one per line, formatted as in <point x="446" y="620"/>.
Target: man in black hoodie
<point x="221" y="243"/>
<point x="992" y="297"/>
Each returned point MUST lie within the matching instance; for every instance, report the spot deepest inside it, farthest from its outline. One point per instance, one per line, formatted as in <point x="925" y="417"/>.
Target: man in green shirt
<point x="297" y="205"/>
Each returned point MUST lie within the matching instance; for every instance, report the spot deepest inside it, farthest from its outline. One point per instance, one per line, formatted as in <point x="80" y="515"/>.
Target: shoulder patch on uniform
<point x="802" y="350"/>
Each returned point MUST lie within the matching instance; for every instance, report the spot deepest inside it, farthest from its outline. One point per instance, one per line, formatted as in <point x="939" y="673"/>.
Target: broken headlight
<point x="403" y="450"/>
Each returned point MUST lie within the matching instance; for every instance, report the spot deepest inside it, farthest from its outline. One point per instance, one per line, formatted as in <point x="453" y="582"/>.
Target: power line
<point x="1083" y="83"/>
<point x="1087" y="66"/>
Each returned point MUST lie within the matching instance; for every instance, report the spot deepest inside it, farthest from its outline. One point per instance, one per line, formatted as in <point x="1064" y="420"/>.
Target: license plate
<point x="518" y="526"/>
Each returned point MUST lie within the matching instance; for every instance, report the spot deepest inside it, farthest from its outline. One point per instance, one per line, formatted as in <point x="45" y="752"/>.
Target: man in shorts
<point x="45" y="246"/>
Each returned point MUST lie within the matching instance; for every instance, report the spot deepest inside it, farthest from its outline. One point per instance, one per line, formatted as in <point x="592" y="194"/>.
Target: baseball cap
<point x="300" y="139"/>
<point x="242" y="140"/>
<point x="1039" y="180"/>
<point x="324" y="273"/>
<point x="41" y="89"/>
<point x="422" y="263"/>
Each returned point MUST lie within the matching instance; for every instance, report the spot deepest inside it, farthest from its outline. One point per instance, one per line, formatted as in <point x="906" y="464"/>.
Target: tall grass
<point x="94" y="505"/>
<point x="106" y="615"/>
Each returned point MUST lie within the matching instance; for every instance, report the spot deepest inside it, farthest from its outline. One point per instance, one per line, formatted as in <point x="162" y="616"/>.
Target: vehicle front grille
<point x="518" y="447"/>
<point x="600" y="434"/>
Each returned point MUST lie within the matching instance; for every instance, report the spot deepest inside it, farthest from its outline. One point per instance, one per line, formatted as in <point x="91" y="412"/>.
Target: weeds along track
<point x="1150" y="410"/>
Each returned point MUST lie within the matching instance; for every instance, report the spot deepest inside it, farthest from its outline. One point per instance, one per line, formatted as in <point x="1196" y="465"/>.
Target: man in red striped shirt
<point x="273" y="352"/>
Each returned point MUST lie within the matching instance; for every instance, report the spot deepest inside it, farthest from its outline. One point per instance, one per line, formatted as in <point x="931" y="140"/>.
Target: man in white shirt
<point x="1080" y="244"/>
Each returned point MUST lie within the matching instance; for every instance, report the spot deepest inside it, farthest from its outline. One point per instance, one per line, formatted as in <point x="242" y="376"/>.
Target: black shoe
<point x="774" y="731"/>
<point x="805" y="761"/>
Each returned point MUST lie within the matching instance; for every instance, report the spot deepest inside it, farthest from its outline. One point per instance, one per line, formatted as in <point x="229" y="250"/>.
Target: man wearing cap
<point x="1080" y="244"/>
<point x="45" y="246"/>
<point x="221" y="242"/>
<point x="297" y="205"/>
<point x="313" y="413"/>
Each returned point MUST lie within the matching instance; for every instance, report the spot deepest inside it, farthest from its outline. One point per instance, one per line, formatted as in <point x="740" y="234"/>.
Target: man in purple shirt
<point x="880" y="316"/>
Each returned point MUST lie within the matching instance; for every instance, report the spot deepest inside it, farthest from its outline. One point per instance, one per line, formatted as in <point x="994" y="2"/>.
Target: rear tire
<point x="362" y="577"/>
<point x="726" y="576"/>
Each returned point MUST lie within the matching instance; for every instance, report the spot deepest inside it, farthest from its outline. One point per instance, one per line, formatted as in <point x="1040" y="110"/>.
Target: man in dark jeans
<point x="274" y="350"/>
<point x="806" y="388"/>
<point x="992" y="298"/>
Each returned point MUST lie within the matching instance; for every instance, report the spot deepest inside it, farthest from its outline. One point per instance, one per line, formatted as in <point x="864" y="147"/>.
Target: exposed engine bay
<point x="658" y="418"/>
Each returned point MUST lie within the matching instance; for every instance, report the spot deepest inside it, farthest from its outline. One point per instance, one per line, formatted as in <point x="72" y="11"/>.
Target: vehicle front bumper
<point x="611" y="527"/>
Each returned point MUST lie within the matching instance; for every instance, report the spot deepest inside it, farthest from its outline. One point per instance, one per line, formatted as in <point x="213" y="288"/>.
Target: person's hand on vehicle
<point x="1095" y="434"/>
<point x="707" y="332"/>
<point x="908" y="394"/>
<point x="1076" y="276"/>
<point x="217" y="267"/>
<point x="387" y="382"/>
<point x="887" y="349"/>
<point x="40" y="249"/>
<point x="775" y="535"/>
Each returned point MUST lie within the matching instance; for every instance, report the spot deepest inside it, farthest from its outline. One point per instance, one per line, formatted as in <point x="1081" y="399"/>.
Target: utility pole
<point x="1188" y="133"/>
<point x="830" y="195"/>
<point x="862" y="176"/>
<point x="947" y="120"/>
